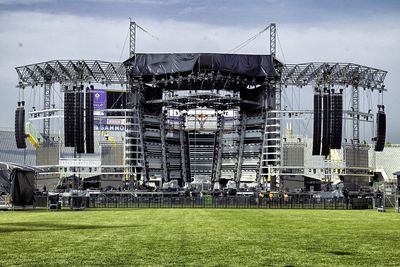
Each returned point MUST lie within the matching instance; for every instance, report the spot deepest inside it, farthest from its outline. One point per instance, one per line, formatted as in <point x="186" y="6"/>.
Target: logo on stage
<point x="201" y="118"/>
<point x="99" y="99"/>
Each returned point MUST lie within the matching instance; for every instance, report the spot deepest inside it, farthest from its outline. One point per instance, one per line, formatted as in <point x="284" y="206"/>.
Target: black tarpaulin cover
<point x="235" y="64"/>
<point x="22" y="187"/>
<point x="19" y="182"/>
<point x="4" y="181"/>
<point x="91" y="182"/>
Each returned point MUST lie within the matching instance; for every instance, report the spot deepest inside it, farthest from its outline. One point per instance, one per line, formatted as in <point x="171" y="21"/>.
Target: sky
<point x="364" y="32"/>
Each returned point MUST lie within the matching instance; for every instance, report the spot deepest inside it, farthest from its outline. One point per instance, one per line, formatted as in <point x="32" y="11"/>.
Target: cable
<point x="151" y="35"/>
<point x="280" y="46"/>
<point x="243" y="44"/>
<point x="30" y="100"/>
<point x="123" y="48"/>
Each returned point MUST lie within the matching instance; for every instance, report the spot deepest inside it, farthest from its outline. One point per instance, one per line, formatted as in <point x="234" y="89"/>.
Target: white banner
<point x="80" y="163"/>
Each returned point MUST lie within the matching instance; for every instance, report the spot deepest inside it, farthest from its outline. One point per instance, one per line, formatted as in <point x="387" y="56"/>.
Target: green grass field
<point x="201" y="237"/>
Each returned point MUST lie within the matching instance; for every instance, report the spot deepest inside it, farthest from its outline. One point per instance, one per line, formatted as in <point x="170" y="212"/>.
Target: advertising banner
<point x="99" y="99"/>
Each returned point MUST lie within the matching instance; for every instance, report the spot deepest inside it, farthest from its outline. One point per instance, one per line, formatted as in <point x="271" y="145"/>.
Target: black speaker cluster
<point x="76" y="110"/>
<point x="20" y="125"/>
<point x="79" y="132"/>
<point x="380" y="130"/>
<point x="317" y="124"/>
<point x="69" y="118"/>
<point x="89" y="120"/>
<point x="336" y="121"/>
<point x="328" y="122"/>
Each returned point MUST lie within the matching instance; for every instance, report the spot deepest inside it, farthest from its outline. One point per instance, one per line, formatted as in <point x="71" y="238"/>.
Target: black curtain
<point x="22" y="186"/>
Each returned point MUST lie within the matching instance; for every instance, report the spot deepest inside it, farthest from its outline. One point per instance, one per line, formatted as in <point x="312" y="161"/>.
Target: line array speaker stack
<point x="336" y="121"/>
<point x="317" y="124"/>
<point x="381" y="130"/>
<point x="328" y="113"/>
<point x="89" y="120"/>
<point x="20" y="127"/>
<point x="79" y="121"/>
<point x="69" y="118"/>
<point x="326" y="124"/>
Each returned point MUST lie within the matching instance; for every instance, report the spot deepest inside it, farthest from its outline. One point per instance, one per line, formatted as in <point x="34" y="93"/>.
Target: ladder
<point x="133" y="148"/>
<point x="271" y="148"/>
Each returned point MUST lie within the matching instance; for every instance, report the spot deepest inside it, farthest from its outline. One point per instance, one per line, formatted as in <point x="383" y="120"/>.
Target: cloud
<point x="142" y="2"/>
<point x="23" y="2"/>
<point x="30" y="37"/>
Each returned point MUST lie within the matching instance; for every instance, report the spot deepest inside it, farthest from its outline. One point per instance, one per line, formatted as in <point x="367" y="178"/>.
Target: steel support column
<point x="164" y="173"/>
<point x="46" y="107"/>
<point x="242" y="133"/>
<point x="132" y="38"/>
<point x="355" y="94"/>
<point x="219" y="134"/>
<point x="272" y="39"/>
<point x="183" y="148"/>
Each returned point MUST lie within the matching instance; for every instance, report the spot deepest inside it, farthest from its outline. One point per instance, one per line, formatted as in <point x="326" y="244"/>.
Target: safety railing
<point x="208" y="201"/>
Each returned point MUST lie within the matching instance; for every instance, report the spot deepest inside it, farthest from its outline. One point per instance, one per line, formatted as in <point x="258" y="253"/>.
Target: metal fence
<point x="207" y="201"/>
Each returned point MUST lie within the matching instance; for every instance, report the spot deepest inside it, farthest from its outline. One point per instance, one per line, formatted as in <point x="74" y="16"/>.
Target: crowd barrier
<point x="207" y="201"/>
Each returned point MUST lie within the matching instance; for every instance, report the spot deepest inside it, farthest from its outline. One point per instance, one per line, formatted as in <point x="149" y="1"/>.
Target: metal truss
<point x="333" y="74"/>
<point x="72" y="71"/>
<point x="272" y="39"/>
<point x="201" y="99"/>
<point x="132" y="39"/>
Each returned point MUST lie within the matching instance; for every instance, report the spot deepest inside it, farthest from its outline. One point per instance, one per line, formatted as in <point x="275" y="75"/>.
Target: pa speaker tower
<point x="79" y="122"/>
<point x="336" y="121"/>
<point x="89" y="121"/>
<point x="381" y="131"/>
<point x="20" y="127"/>
<point x="317" y="125"/>
<point x="69" y="118"/>
<point x="326" y="123"/>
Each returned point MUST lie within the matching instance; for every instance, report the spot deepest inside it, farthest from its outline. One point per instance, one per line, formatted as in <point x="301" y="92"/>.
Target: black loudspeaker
<point x="79" y="121"/>
<point x="89" y="121"/>
<point x="69" y="118"/>
<point x="20" y="127"/>
<point x="381" y="131"/>
<point x="326" y="124"/>
<point x="339" y="121"/>
<point x="336" y="121"/>
<point x="317" y="125"/>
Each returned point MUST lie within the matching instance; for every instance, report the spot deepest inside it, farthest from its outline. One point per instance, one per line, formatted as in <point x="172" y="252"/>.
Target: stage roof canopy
<point x="226" y="64"/>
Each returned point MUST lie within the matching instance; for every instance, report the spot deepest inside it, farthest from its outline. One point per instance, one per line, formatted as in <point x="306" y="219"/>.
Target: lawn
<point x="200" y="237"/>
